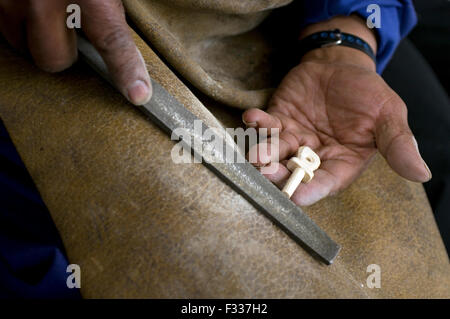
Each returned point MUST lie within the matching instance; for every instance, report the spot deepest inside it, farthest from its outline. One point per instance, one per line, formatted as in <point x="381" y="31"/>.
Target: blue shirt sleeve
<point x="397" y="18"/>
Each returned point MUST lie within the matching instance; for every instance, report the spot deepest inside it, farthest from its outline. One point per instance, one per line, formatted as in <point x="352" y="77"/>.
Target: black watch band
<point x="332" y="38"/>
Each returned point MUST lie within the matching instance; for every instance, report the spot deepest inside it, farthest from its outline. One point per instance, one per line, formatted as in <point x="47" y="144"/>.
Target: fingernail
<point x="416" y="145"/>
<point x="138" y="93"/>
<point x="428" y="170"/>
<point x="312" y="199"/>
<point x="424" y="164"/>
<point x="251" y="124"/>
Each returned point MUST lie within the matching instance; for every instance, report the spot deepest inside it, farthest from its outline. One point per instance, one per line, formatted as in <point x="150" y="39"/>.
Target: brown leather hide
<point x="141" y="226"/>
<point x="213" y="44"/>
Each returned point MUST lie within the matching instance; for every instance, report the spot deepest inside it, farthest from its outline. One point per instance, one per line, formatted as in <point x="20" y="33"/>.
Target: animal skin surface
<point x="216" y="45"/>
<point x="141" y="226"/>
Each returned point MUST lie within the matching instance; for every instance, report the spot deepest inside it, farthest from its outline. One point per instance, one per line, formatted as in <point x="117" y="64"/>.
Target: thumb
<point x="397" y="144"/>
<point x="106" y="27"/>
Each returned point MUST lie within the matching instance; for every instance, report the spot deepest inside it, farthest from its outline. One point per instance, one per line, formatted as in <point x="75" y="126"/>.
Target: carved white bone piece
<point x="302" y="167"/>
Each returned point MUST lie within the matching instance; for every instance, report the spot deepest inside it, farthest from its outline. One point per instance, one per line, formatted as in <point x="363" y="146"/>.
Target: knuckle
<point x="115" y="39"/>
<point x="42" y="9"/>
<point x="114" y="4"/>
<point x="36" y="7"/>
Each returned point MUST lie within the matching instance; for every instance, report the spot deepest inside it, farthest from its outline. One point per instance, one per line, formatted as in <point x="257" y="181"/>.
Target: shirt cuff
<point x="397" y="18"/>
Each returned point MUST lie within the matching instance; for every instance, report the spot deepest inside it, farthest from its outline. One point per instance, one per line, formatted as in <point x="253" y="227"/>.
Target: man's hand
<point x="39" y="26"/>
<point x="335" y="103"/>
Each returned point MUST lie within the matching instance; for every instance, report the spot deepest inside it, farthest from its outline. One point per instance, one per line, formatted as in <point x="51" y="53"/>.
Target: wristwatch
<point x="335" y="37"/>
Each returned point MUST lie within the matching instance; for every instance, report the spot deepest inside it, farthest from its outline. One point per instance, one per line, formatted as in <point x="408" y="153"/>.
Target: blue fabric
<point x="32" y="258"/>
<point x="398" y="17"/>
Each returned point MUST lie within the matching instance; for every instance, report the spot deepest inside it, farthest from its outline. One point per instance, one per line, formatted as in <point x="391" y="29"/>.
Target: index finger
<point x="105" y="25"/>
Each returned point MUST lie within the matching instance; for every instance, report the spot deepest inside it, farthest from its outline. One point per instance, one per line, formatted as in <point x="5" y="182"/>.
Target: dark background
<point x="420" y="73"/>
<point x="432" y="36"/>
